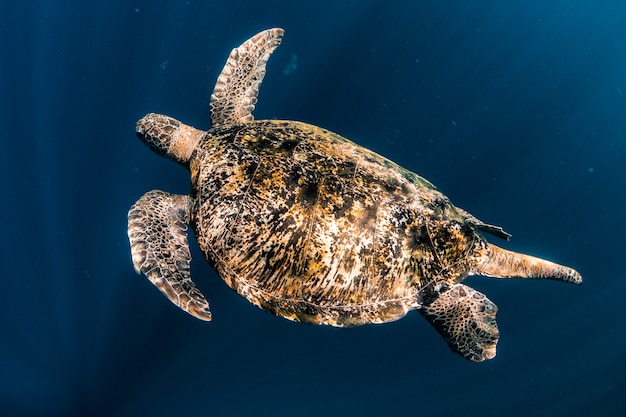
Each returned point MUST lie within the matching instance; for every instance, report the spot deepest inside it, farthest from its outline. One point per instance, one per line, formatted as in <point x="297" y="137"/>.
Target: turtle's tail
<point x="501" y="263"/>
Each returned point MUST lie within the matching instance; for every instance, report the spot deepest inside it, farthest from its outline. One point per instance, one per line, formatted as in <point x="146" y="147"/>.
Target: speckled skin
<point x="306" y="224"/>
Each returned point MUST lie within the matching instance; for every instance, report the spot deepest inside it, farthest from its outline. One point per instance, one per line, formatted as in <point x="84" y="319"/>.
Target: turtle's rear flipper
<point x="157" y="229"/>
<point x="501" y="263"/>
<point x="467" y="321"/>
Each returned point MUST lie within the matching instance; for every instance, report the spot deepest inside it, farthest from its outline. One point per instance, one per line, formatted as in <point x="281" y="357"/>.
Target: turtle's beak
<point x="141" y="127"/>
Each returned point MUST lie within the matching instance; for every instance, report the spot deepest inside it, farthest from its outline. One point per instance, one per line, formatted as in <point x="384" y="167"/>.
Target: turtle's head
<point x="168" y="137"/>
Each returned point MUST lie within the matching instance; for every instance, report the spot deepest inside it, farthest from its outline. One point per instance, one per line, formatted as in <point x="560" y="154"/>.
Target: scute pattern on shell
<point x="307" y="225"/>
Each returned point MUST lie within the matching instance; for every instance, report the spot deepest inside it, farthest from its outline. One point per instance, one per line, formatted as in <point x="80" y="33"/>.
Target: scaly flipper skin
<point x="157" y="230"/>
<point x="466" y="319"/>
<point x="237" y="87"/>
<point x="501" y="263"/>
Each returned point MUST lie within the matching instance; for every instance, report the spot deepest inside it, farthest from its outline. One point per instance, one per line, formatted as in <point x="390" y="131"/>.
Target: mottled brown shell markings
<point x="308" y="225"/>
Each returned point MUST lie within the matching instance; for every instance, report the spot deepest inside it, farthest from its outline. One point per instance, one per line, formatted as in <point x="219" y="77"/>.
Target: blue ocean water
<point x="516" y="110"/>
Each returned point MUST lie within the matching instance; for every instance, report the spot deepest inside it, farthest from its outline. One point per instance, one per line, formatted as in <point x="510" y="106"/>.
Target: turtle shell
<point x="312" y="227"/>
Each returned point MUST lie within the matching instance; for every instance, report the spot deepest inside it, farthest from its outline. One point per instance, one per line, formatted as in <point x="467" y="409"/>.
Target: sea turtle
<point x="312" y="227"/>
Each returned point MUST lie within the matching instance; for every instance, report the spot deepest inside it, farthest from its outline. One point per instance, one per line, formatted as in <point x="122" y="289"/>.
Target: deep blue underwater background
<point x="516" y="110"/>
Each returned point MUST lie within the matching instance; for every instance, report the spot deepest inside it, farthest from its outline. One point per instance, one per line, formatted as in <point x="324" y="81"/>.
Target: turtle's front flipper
<point x="157" y="230"/>
<point x="237" y="87"/>
<point x="467" y="321"/>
